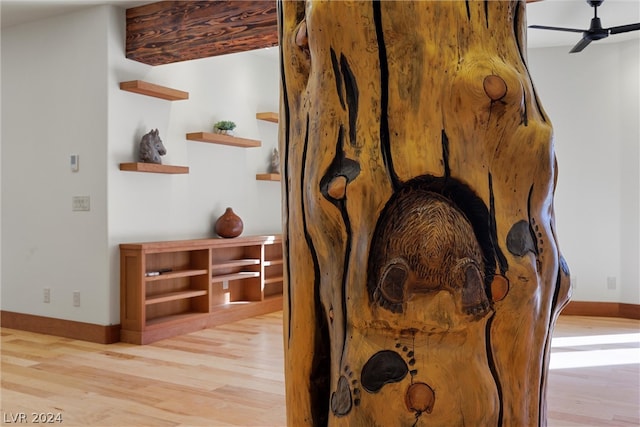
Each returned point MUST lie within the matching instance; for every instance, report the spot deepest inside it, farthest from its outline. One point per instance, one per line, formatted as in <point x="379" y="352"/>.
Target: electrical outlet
<point x="225" y="284"/>
<point x="81" y="203"/>
<point x="47" y="295"/>
<point x="611" y="283"/>
<point x="76" y="298"/>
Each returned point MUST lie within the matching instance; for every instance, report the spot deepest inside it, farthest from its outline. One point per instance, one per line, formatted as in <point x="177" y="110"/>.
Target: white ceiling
<point x="15" y="12"/>
<point x="560" y="13"/>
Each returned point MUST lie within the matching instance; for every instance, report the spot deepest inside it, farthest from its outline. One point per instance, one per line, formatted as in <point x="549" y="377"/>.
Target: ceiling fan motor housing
<point x="596" y="32"/>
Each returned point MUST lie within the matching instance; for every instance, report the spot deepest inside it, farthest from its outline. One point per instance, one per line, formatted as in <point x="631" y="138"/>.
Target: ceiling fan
<point x="595" y="31"/>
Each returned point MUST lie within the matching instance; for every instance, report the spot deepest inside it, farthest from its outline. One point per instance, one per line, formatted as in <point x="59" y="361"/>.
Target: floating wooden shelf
<point x="268" y="177"/>
<point x="153" y="168"/>
<point x="156" y="91"/>
<point x="217" y="138"/>
<point x="268" y="117"/>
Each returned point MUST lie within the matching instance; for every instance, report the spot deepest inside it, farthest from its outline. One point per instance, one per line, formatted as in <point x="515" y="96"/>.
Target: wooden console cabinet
<point x="175" y="287"/>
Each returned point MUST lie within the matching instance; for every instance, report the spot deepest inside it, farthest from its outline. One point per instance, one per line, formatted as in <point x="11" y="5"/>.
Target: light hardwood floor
<point x="232" y="375"/>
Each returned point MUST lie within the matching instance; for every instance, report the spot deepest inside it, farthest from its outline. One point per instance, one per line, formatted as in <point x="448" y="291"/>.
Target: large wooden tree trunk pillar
<point x="423" y="275"/>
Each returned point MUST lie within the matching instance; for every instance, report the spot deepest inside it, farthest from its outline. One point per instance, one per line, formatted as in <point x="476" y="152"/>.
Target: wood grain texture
<point x="602" y="309"/>
<point x="232" y="375"/>
<point x="268" y="177"/>
<point x="224" y="376"/>
<point x="268" y="116"/>
<point x="172" y="31"/>
<point x="154" y="90"/>
<point x="217" y="138"/>
<point x="101" y="334"/>
<point x="424" y="276"/>
<point x="154" y="168"/>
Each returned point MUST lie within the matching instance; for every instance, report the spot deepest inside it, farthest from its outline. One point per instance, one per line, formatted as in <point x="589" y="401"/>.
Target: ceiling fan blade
<point x="624" y="28"/>
<point x="581" y="45"/>
<point x="544" y="27"/>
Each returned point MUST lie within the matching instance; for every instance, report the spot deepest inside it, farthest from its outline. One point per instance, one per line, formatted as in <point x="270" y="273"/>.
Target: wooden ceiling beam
<point x="173" y="31"/>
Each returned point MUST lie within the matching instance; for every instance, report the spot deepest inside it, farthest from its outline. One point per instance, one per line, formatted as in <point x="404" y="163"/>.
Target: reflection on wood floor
<point x="232" y="375"/>
<point x="594" y="375"/>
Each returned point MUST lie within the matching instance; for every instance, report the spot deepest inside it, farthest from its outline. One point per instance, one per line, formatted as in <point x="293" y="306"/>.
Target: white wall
<point x="630" y="171"/>
<point x="593" y="101"/>
<point x="60" y="95"/>
<point x="54" y="104"/>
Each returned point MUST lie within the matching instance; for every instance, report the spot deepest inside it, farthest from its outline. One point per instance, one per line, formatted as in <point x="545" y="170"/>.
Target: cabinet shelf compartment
<point x="273" y="271"/>
<point x="152" y="300"/>
<point x="217" y="138"/>
<point x="236" y="290"/>
<point x="273" y="281"/>
<point x="245" y="290"/>
<point x="176" y="303"/>
<point x="273" y="289"/>
<point x="240" y="267"/>
<point x="184" y="263"/>
<point x="235" y="259"/>
<point x="145" y="88"/>
<point x="268" y="116"/>
<point x="153" y="168"/>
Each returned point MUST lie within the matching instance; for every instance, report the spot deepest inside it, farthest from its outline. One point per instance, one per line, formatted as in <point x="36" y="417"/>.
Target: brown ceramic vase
<point x="229" y="224"/>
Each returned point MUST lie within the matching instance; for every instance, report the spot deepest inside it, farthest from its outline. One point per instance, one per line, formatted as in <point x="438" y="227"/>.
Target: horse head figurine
<point x="151" y="148"/>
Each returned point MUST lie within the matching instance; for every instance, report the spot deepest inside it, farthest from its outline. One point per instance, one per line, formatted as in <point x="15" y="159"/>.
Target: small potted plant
<point x="225" y="127"/>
